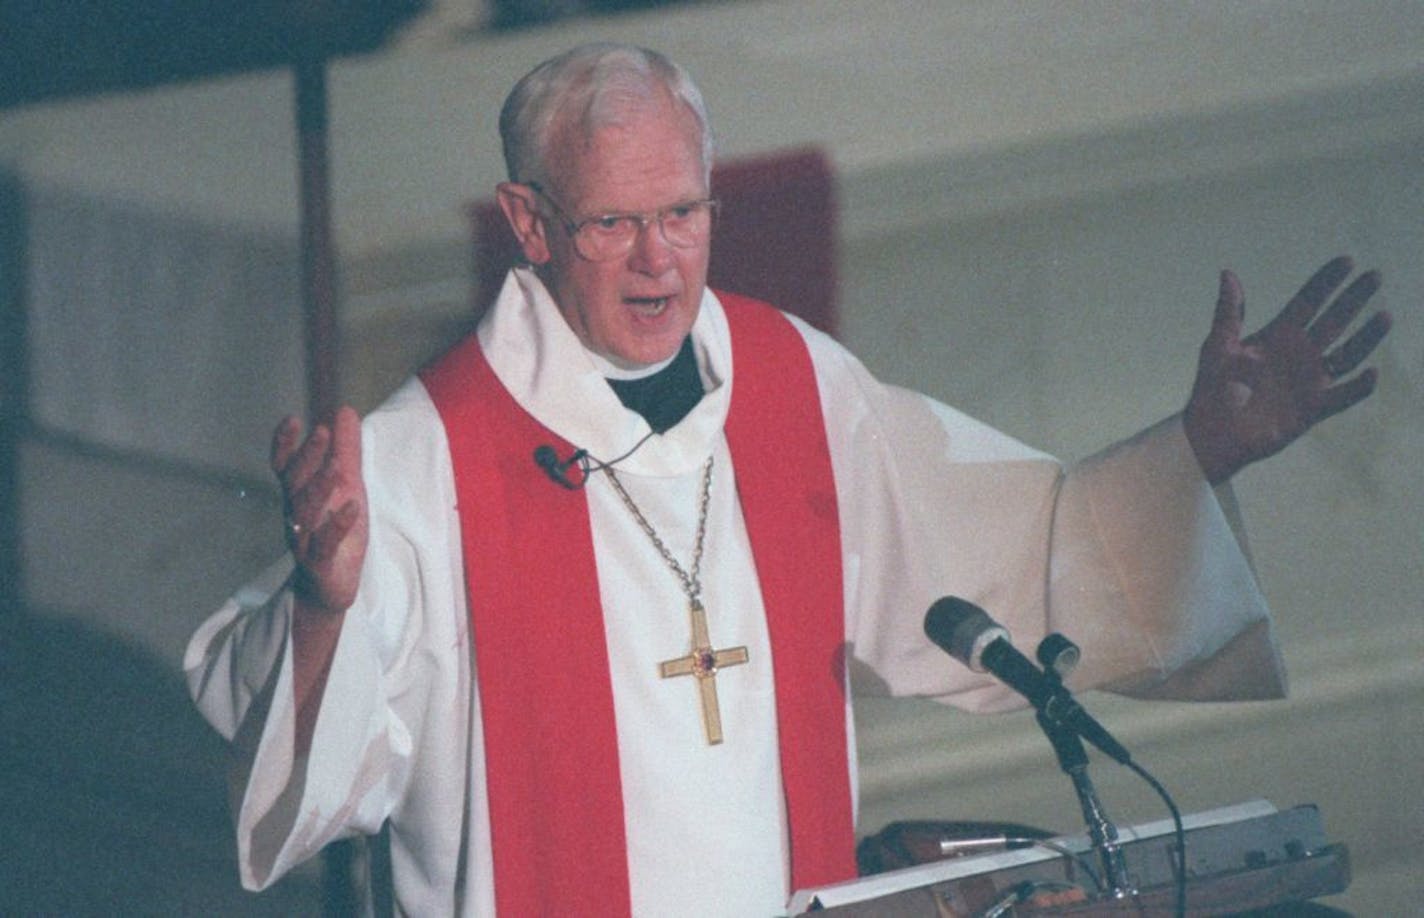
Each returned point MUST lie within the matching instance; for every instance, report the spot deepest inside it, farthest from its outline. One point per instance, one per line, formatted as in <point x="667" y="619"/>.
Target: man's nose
<point x="652" y="253"/>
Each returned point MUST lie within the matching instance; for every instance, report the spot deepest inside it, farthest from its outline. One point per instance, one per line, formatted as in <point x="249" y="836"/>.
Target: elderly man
<point x="565" y="616"/>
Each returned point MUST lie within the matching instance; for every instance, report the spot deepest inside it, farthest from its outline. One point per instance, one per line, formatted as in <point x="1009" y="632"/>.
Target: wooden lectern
<point x="1240" y="859"/>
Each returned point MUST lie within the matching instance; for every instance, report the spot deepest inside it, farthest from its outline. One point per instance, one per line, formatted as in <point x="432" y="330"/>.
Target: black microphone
<point x="967" y="633"/>
<point x="1057" y="655"/>
<point x="547" y="459"/>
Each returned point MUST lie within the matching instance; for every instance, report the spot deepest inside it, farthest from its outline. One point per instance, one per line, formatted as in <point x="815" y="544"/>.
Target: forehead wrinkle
<point x="575" y="152"/>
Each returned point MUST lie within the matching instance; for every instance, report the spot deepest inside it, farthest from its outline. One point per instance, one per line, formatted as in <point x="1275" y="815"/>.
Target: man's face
<point x="636" y="309"/>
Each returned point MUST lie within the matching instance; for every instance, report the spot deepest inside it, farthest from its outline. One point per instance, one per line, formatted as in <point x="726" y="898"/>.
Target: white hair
<point x="592" y="86"/>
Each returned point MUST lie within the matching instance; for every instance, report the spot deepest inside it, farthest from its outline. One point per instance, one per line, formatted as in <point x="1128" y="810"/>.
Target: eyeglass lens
<point x="683" y="225"/>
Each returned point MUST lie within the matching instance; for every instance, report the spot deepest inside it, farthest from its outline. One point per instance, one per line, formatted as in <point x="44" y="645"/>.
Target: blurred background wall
<point x="1034" y="200"/>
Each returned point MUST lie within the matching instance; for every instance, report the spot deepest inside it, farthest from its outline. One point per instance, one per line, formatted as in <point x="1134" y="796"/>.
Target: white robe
<point x="1128" y="553"/>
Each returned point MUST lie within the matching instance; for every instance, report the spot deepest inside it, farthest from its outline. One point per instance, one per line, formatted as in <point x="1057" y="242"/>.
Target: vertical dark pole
<point x="318" y="256"/>
<point x="14" y="399"/>
<point x="339" y="895"/>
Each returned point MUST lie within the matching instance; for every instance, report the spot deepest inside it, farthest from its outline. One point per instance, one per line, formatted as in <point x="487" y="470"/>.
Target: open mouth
<point x="647" y="305"/>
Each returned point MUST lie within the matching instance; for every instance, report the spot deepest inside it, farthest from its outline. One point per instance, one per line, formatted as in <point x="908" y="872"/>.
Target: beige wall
<point x="1076" y="322"/>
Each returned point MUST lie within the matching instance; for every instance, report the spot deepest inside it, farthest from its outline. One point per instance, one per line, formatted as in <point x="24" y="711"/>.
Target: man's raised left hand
<point x="1253" y="396"/>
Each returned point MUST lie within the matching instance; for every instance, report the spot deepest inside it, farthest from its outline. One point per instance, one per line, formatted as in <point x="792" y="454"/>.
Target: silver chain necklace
<point x="701" y="661"/>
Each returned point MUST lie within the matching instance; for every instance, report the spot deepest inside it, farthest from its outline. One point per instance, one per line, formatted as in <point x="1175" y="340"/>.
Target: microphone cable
<point x="547" y="459"/>
<point x="1179" y="833"/>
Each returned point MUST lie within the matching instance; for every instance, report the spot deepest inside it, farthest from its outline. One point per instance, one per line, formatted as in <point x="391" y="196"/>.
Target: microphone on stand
<point x="1057" y="655"/>
<point x="967" y="633"/>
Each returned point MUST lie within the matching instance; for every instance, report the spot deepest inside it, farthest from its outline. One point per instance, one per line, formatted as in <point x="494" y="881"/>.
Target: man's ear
<point x="517" y="202"/>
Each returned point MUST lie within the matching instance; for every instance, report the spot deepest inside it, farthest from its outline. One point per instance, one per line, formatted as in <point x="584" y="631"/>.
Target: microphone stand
<point x="1073" y="759"/>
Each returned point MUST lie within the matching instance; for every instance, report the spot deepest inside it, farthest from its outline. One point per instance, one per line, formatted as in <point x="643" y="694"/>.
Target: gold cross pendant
<point x="703" y="662"/>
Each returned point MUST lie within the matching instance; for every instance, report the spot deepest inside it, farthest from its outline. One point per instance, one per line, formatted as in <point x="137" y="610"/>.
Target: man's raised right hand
<point x="324" y="506"/>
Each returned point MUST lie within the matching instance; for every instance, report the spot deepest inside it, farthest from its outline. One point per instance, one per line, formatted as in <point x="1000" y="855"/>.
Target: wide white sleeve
<point x="1128" y="553"/>
<point x="399" y="683"/>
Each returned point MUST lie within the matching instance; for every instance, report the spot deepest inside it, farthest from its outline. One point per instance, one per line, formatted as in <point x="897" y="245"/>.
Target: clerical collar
<point x="610" y="370"/>
<point x="665" y="395"/>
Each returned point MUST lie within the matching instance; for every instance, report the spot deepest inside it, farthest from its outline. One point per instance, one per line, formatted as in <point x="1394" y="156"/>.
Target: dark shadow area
<point x="112" y="786"/>
<point x="50" y="50"/>
<point x="522" y="14"/>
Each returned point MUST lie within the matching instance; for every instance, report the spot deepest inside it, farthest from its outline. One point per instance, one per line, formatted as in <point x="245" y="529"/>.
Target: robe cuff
<point x="282" y="818"/>
<point x="1197" y="626"/>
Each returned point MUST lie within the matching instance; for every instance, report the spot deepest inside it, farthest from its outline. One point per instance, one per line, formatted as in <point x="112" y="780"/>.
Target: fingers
<point x="1343" y="311"/>
<point x="1348" y="356"/>
<point x="315" y="474"/>
<point x="1336" y="399"/>
<point x="1308" y="300"/>
<point x="346" y="433"/>
<point x="1344" y="359"/>
<point x="295" y="465"/>
<point x="328" y="537"/>
<point x="307" y="506"/>
<point x="284" y="443"/>
<point x="1230" y="311"/>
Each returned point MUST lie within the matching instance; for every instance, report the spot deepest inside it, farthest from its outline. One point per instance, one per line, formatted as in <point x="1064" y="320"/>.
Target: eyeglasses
<point x="605" y="237"/>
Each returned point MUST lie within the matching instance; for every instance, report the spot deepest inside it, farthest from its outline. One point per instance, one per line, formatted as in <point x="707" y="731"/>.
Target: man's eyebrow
<point x="679" y="202"/>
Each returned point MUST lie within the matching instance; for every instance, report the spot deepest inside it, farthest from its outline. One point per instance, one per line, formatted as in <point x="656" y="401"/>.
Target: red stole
<point x="555" y="794"/>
